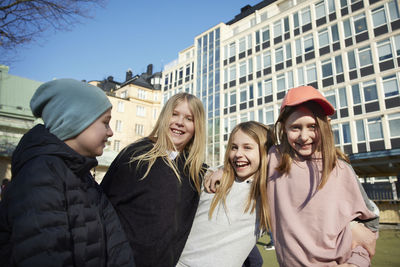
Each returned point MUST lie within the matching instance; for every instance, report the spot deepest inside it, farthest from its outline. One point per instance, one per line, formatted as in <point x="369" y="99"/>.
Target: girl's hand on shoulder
<point x="212" y="180"/>
<point x="364" y="237"/>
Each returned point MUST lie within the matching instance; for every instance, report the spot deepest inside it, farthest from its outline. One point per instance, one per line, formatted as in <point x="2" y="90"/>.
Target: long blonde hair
<point x="264" y="138"/>
<point x="194" y="151"/>
<point x="329" y="153"/>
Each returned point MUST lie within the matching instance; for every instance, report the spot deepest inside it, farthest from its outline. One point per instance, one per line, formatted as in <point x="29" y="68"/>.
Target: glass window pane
<point x="375" y="128"/>
<point x="342" y="97"/>
<point x="305" y="16"/>
<point x="356" y="94"/>
<point x="370" y="92"/>
<point x="326" y="69"/>
<point x="268" y="87"/>
<point x="394" y="10"/>
<point x="394" y="125"/>
<point x="335" y="33"/>
<point x="365" y="58"/>
<point x="347" y="28"/>
<point x="352" y="60"/>
<point x="339" y="65"/>
<point x="323" y="38"/>
<point x="360" y="131"/>
<point x="360" y="24"/>
<point x="390" y="86"/>
<point x="346" y="133"/>
<point x="384" y="51"/>
<point x="379" y="17"/>
<point x="332" y="100"/>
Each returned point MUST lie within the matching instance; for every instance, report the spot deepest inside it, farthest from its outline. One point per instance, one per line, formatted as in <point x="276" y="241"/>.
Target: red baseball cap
<point x="301" y="94"/>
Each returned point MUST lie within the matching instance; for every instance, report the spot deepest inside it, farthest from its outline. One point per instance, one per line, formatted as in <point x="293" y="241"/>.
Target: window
<point x="269" y="116"/>
<point x="120" y="106"/>
<point x="360" y="24"/>
<point x="243" y="94"/>
<point x="277" y="28"/>
<point x="267" y="59"/>
<point x="323" y="38"/>
<point x="140" y="111"/>
<point x="305" y="16"/>
<point x="265" y="34"/>
<point x="320" y="9"/>
<point x="154" y="113"/>
<point x="279" y="55"/>
<point x="124" y="94"/>
<point x="118" y="126"/>
<point x="242" y="44"/>
<point x="267" y="87"/>
<point x="242" y="69"/>
<point x="346" y="133"/>
<point x="397" y="44"/>
<point x="390" y="86"/>
<point x="338" y="64"/>
<point x="280" y="82"/>
<point x="374" y="128"/>
<point x="394" y="125"/>
<point x="369" y="89"/>
<point x="308" y="43"/>
<point x="232" y="98"/>
<point x="116" y="145"/>
<point x="384" y="50"/>
<point x="378" y="16"/>
<point x="394" y="10"/>
<point x="139" y="129"/>
<point x="299" y="49"/>
<point x="232" y="73"/>
<point x="141" y="94"/>
<point x="360" y="130"/>
<point x="365" y="57"/>
<point x="311" y="73"/>
<point x="250" y="65"/>
<point x="327" y="68"/>
<point x="232" y="49"/>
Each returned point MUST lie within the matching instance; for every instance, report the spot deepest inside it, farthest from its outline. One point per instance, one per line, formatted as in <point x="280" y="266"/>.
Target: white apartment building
<point x="348" y="49"/>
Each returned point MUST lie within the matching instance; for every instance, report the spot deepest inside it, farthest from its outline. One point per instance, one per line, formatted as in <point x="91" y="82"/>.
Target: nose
<point x="179" y="120"/>
<point x="304" y="135"/>
<point x="110" y="132"/>
<point x="239" y="153"/>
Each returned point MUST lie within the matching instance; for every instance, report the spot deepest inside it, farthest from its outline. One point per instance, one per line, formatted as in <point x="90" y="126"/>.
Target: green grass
<point x="387" y="250"/>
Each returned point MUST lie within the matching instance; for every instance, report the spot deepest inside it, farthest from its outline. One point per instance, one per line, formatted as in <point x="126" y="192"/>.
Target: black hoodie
<point x="54" y="213"/>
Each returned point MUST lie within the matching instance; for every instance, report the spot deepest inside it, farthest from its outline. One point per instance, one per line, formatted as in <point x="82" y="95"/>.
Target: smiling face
<point x="302" y="132"/>
<point x="181" y="125"/>
<point x="244" y="155"/>
<point x="91" y="142"/>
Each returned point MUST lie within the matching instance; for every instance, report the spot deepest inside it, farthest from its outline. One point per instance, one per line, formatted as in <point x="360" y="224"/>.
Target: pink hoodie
<point x="310" y="227"/>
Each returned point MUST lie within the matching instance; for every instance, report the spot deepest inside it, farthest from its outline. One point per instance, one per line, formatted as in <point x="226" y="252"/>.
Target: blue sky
<point x="123" y="35"/>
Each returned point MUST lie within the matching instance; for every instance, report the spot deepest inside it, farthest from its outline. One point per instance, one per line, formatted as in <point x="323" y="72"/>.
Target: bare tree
<point x="25" y="21"/>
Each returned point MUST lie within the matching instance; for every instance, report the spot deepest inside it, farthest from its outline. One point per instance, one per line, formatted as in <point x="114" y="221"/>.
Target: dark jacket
<point x="54" y="213"/>
<point x="157" y="212"/>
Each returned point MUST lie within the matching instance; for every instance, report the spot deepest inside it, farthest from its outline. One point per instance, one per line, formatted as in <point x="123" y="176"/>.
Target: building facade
<point x="349" y="50"/>
<point x="15" y="115"/>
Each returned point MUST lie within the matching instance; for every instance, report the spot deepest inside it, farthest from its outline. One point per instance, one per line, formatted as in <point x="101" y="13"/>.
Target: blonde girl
<point x="228" y="223"/>
<point x="313" y="192"/>
<point x="154" y="183"/>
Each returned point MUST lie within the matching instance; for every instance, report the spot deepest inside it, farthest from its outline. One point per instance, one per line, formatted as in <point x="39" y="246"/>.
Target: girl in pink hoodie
<point x="313" y="193"/>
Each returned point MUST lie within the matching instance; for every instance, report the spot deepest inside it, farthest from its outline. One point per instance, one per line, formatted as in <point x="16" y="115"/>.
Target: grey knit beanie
<point x="68" y="106"/>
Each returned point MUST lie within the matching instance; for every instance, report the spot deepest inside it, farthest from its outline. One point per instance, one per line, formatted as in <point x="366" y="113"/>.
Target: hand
<point x="211" y="181"/>
<point x="346" y="265"/>
<point x="362" y="236"/>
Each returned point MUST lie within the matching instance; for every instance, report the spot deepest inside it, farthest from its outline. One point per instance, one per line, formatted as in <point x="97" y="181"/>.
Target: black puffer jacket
<point x="54" y="213"/>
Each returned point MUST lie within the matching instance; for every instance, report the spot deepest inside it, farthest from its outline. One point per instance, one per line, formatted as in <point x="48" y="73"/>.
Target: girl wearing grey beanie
<point x="53" y="212"/>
